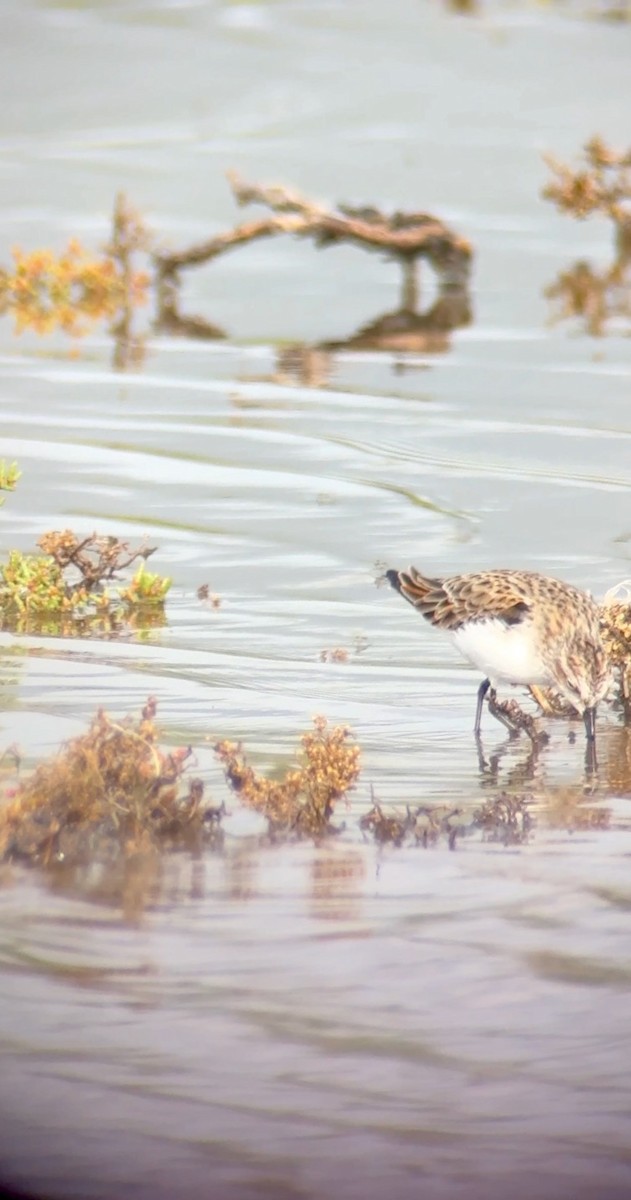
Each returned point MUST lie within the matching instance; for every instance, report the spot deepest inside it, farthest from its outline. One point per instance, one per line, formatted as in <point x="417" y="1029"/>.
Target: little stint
<point x="518" y="627"/>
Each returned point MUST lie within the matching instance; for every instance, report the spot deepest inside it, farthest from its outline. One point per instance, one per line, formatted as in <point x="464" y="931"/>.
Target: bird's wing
<point x="448" y="603"/>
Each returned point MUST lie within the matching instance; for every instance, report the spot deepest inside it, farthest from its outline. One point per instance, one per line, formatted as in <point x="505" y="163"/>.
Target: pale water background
<point x="313" y="1022"/>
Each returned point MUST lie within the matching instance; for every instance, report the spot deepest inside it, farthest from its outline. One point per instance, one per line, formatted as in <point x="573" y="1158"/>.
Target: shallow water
<point x="335" y="1020"/>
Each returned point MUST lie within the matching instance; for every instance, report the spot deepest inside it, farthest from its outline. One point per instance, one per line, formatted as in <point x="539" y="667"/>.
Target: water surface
<point x="334" y="1020"/>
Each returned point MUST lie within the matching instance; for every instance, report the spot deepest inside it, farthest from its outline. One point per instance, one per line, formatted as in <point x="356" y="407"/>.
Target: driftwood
<point x="405" y="237"/>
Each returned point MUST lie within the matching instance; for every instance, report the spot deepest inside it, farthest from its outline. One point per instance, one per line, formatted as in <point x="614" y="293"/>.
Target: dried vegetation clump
<point x="302" y="802"/>
<point x="510" y="714"/>
<point x="335" y="655"/>
<point x="207" y="597"/>
<point x="109" y="793"/>
<point x="602" y="185"/>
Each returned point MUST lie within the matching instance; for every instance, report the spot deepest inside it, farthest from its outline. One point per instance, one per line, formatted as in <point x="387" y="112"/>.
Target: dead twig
<point x="96" y="558"/>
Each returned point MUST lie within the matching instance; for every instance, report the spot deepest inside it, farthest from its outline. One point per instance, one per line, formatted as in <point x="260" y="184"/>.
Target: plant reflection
<point x="595" y="297"/>
<point x="601" y="185"/>
<point x="335" y="875"/>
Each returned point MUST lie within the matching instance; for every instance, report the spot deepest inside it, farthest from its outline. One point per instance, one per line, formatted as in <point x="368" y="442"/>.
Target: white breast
<point x="504" y="653"/>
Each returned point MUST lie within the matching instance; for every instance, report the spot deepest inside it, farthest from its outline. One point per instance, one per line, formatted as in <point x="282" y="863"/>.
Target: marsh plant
<point x="111" y="791"/>
<point x="9" y="476"/>
<point x="68" y="590"/>
<point x="302" y="800"/>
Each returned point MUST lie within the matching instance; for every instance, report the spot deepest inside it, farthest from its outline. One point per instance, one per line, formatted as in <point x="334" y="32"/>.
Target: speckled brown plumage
<point x="531" y="629"/>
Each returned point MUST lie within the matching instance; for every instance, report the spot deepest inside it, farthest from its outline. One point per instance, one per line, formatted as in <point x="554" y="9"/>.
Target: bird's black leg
<point x="589" y="718"/>
<point x="591" y="761"/>
<point x="482" y="690"/>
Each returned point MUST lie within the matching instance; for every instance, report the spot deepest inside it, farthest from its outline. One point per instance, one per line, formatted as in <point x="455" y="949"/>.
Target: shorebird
<point x="518" y="627"/>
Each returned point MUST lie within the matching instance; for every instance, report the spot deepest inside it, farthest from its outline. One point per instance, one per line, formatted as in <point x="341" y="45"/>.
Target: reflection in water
<point x="336" y="876"/>
<point x="407" y="330"/>
<point x="242" y="865"/>
<point x="528" y="767"/>
<point x="308" y="366"/>
<point x="596" y="297"/>
<point x="104" y="626"/>
<point x="403" y="330"/>
<point x="521" y="772"/>
<point x="147" y="879"/>
<point x="134" y="884"/>
<point x="169" y="320"/>
<point x="568" y="806"/>
<point x="602" y="185"/>
<point x="618" y="763"/>
<point x="129" y="348"/>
